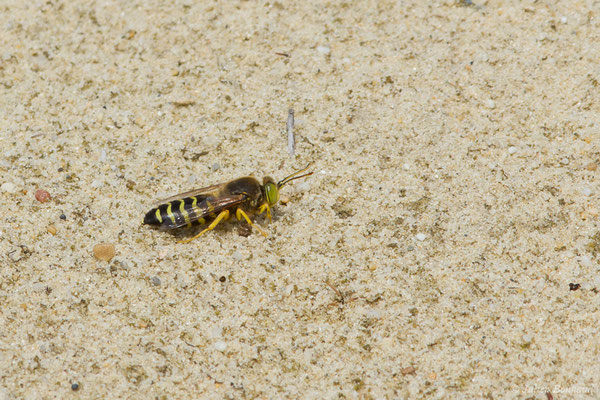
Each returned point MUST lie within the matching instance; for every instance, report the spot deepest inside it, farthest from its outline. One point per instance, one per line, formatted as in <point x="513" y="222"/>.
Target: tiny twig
<point x="282" y="54"/>
<point x="290" y="132"/>
<point x="336" y="291"/>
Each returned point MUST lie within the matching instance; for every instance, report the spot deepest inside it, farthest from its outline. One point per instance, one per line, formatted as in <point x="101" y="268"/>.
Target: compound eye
<point x="272" y="193"/>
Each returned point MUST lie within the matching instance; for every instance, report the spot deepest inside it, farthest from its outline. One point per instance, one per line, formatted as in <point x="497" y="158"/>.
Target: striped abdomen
<point x="176" y="213"/>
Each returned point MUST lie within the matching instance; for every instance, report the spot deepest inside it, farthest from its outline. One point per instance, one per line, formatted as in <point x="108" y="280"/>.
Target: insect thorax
<point x="248" y="186"/>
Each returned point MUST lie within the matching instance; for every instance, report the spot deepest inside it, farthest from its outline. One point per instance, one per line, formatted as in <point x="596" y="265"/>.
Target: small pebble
<point x="155" y="280"/>
<point x="63" y="217"/>
<point x="284" y="199"/>
<point x="96" y="184"/>
<point x="104" y="251"/>
<point x="220" y="346"/>
<point x="324" y="50"/>
<point x="244" y="229"/>
<point x="51" y="229"/>
<point x="75" y="387"/>
<point x="563" y="20"/>
<point x="586" y="191"/>
<point x="237" y="256"/>
<point x="215" y="166"/>
<point x="420" y="237"/>
<point x="512" y="150"/>
<point x="163" y="253"/>
<point x="8" y="187"/>
<point x="42" y="195"/>
<point x="406" y="166"/>
<point x="591" y="166"/>
<point x="490" y="104"/>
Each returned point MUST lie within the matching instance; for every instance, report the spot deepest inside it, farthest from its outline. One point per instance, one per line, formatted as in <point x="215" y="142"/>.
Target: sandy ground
<point x="446" y="247"/>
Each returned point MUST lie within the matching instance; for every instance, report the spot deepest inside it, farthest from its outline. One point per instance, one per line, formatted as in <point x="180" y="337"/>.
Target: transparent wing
<point x="202" y="192"/>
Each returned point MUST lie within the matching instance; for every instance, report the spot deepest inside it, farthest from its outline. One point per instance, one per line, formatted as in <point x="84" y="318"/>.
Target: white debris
<point x="220" y="346"/>
<point x="8" y="187"/>
<point x="325" y="50"/>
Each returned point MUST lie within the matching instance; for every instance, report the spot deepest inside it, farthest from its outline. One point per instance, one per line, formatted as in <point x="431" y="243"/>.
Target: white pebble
<point x="512" y="150"/>
<point x="303" y="187"/>
<point x="586" y="261"/>
<point x="421" y="236"/>
<point x="586" y="191"/>
<point x="9" y="187"/>
<point x="406" y="166"/>
<point x="237" y="256"/>
<point x="323" y="50"/>
<point x="563" y="19"/>
<point x="527" y="338"/>
<point x="38" y="287"/>
<point x="373" y="313"/>
<point x="490" y="104"/>
<point x="102" y="155"/>
<point x="162" y="253"/>
<point x="96" y="183"/>
<point x="220" y="346"/>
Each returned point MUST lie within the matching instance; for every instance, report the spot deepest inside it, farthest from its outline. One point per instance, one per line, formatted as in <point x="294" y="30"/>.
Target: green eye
<point x="272" y="193"/>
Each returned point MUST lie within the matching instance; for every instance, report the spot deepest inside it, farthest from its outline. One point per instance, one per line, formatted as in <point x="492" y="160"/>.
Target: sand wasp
<point x="241" y="197"/>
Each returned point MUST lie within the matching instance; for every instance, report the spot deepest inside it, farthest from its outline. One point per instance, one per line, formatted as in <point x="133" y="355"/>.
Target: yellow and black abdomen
<point x="175" y="214"/>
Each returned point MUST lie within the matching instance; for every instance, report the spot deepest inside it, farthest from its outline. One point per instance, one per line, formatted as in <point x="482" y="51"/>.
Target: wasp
<point x="241" y="197"/>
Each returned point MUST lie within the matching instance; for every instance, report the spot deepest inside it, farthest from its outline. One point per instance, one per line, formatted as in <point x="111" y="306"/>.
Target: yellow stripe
<point x="184" y="213"/>
<point x="170" y="213"/>
<point x="196" y="210"/>
<point x="158" y="216"/>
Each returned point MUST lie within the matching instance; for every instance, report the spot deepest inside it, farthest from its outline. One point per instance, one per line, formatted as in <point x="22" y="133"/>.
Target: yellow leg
<point x="263" y="208"/>
<point x="222" y="215"/>
<point x="241" y="214"/>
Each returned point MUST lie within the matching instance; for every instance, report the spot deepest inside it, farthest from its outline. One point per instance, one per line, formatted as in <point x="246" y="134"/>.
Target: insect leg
<point x="222" y="215"/>
<point x="265" y="207"/>
<point x="241" y="214"/>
